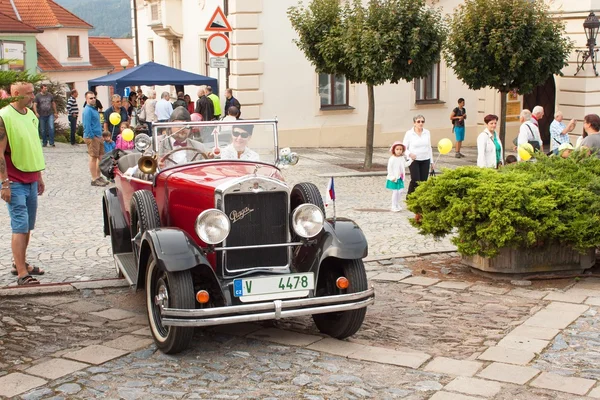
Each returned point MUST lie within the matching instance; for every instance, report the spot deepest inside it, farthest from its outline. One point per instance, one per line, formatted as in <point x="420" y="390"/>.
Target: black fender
<point x="115" y="224"/>
<point x="173" y="249"/>
<point x="341" y="239"/>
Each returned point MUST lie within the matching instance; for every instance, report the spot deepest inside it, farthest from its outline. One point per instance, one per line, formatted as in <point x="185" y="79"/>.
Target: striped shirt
<point x="72" y="108"/>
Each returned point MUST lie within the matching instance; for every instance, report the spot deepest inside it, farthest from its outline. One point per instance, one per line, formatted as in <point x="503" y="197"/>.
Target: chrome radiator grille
<point x="256" y="219"/>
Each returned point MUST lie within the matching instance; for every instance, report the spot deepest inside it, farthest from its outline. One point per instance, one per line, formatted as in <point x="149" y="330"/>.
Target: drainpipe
<point x="136" y="53"/>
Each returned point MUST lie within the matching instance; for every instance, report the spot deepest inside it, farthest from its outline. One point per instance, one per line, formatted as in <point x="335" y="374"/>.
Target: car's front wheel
<point x="342" y="324"/>
<point x="170" y="290"/>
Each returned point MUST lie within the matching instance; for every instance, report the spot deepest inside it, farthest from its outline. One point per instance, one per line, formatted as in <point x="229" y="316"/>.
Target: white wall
<point x="55" y="41"/>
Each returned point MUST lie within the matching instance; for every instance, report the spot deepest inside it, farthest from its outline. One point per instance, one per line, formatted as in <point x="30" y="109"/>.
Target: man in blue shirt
<point x="116" y="107"/>
<point x="92" y="136"/>
<point x="559" y="132"/>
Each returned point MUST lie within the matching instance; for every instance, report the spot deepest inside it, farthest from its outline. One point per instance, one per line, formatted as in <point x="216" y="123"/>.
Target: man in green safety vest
<point x="21" y="166"/>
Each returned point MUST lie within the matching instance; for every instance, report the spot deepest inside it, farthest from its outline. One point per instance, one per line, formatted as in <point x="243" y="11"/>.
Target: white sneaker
<point x="395" y="209"/>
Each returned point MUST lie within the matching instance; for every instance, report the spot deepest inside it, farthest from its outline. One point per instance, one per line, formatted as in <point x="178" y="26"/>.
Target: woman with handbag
<point x="489" y="148"/>
<point x="528" y="132"/>
<point x="418" y="148"/>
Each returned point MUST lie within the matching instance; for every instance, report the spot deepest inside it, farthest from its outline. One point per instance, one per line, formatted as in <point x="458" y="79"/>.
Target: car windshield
<point x="185" y="142"/>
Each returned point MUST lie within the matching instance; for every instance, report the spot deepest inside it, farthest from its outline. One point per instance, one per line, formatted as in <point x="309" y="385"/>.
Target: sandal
<point x="34" y="270"/>
<point x="27" y="280"/>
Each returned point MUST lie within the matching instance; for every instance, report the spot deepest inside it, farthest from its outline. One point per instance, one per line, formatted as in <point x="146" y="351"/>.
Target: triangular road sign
<point x="218" y="22"/>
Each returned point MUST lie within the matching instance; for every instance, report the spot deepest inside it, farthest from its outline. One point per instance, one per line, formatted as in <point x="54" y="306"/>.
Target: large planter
<point x="550" y="258"/>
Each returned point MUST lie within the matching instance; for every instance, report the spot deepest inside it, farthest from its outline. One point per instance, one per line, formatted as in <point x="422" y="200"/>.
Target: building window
<point x="175" y="54"/>
<point x="428" y="89"/>
<point x="206" y="58"/>
<point x="333" y="90"/>
<point x="151" y="50"/>
<point x="73" y="42"/>
<point x="154" y="12"/>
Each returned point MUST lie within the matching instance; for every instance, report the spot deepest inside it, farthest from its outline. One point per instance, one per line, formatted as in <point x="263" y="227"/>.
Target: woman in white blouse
<point x="418" y="148"/>
<point x="489" y="148"/>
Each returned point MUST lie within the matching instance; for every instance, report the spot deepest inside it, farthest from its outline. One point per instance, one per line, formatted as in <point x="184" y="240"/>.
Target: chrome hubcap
<point x="162" y="298"/>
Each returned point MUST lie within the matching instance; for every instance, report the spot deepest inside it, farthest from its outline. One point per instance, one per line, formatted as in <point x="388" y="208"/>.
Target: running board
<point x="125" y="263"/>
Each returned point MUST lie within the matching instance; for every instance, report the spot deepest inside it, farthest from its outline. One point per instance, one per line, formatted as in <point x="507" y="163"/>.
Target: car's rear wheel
<point x="342" y="324"/>
<point x="169" y="290"/>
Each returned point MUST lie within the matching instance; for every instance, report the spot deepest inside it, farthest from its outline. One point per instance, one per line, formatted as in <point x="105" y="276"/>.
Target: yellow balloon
<point x="127" y="135"/>
<point x="525" y="151"/>
<point x="444" y="146"/>
<point x="115" y="118"/>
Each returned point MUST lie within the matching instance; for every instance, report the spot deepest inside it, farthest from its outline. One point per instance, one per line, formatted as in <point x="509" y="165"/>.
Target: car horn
<point x="147" y="164"/>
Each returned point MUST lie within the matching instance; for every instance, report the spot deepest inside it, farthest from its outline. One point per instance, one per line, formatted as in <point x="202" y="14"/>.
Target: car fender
<point x="173" y="251"/>
<point x="341" y="238"/>
<point x="113" y="216"/>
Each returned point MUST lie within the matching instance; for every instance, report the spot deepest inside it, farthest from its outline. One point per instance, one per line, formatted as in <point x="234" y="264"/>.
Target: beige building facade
<point x="271" y="77"/>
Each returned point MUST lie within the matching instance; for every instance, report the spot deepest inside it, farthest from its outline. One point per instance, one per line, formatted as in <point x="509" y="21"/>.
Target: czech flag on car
<point x="330" y="193"/>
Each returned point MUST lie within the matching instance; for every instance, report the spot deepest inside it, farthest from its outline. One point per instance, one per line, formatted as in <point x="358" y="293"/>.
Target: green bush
<point x="553" y="200"/>
<point x="62" y="133"/>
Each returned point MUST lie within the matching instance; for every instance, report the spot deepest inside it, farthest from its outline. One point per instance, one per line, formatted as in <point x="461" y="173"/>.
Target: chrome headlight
<point x="142" y="142"/>
<point x="212" y="226"/>
<point x="307" y="220"/>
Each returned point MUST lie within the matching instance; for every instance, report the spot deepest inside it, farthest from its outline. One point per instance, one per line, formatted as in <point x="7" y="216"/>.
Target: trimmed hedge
<point x="528" y="204"/>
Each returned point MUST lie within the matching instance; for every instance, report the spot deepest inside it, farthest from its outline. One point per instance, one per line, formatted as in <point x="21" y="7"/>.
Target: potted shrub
<point x="526" y="217"/>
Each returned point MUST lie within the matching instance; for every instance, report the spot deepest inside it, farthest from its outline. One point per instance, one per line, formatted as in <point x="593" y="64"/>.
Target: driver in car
<point x="238" y="149"/>
<point x="178" y="148"/>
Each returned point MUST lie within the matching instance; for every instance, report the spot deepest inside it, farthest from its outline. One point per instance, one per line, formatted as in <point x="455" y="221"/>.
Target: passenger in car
<point x="179" y="139"/>
<point x="238" y="149"/>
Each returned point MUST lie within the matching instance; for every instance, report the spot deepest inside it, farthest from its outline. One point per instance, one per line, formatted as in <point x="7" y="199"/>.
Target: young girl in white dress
<point x="396" y="172"/>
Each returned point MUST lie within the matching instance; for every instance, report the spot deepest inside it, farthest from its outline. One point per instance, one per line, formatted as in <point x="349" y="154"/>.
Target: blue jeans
<point x="47" y="129"/>
<point x="22" y="207"/>
<point x="73" y="124"/>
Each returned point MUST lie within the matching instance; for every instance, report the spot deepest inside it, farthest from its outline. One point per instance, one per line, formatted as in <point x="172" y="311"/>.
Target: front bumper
<point x="267" y="310"/>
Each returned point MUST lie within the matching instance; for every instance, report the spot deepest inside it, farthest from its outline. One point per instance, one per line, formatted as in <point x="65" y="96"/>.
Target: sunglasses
<point x="92" y="98"/>
<point x="420" y="122"/>
<point x="244" y="135"/>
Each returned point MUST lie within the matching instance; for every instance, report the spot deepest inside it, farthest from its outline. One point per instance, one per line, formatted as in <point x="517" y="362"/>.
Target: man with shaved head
<point x="21" y="163"/>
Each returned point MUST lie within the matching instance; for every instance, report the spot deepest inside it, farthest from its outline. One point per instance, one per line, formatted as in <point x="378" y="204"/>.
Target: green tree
<point x="382" y="41"/>
<point x="507" y="45"/>
<point x="8" y="77"/>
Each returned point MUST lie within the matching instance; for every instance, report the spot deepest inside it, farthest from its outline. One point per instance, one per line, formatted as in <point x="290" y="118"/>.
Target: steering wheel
<point x="170" y="153"/>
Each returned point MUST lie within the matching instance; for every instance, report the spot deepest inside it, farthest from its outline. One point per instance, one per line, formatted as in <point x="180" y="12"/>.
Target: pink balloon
<point x="196" y="117"/>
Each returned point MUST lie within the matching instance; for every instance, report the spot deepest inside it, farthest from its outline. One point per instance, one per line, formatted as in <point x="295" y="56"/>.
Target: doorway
<point x="545" y="96"/>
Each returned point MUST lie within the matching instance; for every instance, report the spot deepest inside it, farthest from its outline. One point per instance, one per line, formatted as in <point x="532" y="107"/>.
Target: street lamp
<point x="125" y="62"/>
<point x="591" y="26"/>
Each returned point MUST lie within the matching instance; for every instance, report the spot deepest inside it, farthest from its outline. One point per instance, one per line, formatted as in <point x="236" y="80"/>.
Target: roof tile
<point x="47" y="14"/>
<point x="110" y="51"/>
<point x="11" y="25"/>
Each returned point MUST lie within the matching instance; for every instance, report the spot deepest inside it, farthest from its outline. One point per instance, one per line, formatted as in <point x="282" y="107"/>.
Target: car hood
<point x="214" y="174"/>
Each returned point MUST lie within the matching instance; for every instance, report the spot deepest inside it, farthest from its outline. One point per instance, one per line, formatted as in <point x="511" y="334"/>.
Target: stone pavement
<point x="68" y="239"/>
<point x="425" y="338"/>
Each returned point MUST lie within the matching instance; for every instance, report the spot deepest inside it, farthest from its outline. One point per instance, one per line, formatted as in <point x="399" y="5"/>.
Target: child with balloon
<point x="125" y="137"/>
<point x="396" y="171"/>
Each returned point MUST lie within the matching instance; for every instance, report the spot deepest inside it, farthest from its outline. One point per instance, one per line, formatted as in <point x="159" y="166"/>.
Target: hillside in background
<point x="109" y="17"/>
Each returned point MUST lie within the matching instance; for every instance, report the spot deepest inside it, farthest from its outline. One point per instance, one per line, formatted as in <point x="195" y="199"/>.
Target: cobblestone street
<point x="436" y="331"/>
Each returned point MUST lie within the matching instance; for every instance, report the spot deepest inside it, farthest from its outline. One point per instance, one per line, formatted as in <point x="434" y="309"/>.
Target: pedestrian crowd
<point x="28" y="124"/>
<point x="415" y="151"/>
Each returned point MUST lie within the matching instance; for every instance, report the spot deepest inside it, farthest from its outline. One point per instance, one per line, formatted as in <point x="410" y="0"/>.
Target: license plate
<point x="281" y="284"/>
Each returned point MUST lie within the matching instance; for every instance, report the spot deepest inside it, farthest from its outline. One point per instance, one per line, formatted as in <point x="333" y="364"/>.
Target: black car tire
<point x="112" y="244"/>
<point x="306" y="193"/>
<point x="342" y="324"/>
<point x="143" y="215"/>
<point x="179" y="288"/>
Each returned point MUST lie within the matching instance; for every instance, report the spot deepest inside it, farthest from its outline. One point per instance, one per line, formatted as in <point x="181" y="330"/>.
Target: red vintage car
<point x="202" y="219"/>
